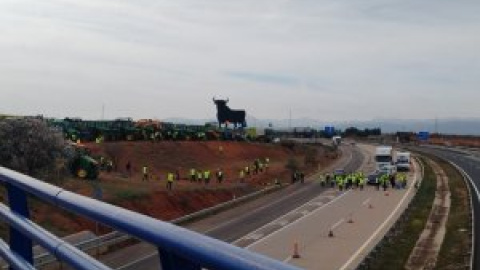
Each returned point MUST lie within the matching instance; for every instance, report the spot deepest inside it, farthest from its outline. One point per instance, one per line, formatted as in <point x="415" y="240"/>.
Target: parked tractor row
<point x="126" y="129"/>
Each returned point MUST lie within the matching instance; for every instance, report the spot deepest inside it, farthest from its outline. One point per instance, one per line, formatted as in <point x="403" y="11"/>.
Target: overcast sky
<point x="321" y="59"/>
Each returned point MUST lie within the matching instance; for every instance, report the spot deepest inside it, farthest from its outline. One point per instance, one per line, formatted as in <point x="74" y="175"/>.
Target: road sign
<point x="423" y="135"/>
<point x="329" y="130"/>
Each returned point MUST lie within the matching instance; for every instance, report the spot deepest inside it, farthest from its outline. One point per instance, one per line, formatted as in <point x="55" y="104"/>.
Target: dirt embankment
<point x="456" y="140"/>
<point x="152" y="198"/>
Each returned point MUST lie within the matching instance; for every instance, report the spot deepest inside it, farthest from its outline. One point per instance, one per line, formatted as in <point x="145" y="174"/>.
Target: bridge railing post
<point x="19" y="243"/>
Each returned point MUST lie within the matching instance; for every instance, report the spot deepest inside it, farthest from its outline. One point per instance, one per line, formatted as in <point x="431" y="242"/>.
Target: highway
<point x="239" y="221"/>
<point x="356" y="227"/>
<point x="469" y="162"/>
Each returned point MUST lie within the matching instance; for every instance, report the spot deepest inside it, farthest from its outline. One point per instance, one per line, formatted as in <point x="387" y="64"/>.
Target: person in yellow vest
<point x="361" y="181"/>
<point x="242" y="176"/>
<point x="247" y="170"/>
<point x="206" y="176"/>
<point x="277" y="183"/>
<point x="170" y="178"/>
<point x="145" y="173"/>
<point x="340" y="183"/>
<point x="199" y="176"/>
<point x="402" y="180"/>
<point x="102" y="163"/>
<point x="109" y="165"/>
<point x="384" y="181"/>
<point x="322" y="180"/>
<point x="193" y="175"/>
<point x="219" y="175"/>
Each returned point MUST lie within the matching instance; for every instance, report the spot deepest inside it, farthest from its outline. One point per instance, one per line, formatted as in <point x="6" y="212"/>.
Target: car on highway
<point x="372" y="178"/>
<point x="339" y="172"/>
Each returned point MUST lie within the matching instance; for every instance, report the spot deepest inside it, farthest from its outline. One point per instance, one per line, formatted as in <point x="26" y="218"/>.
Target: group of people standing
<point x="258" y="166"/>
<point x="398" y="181"/>
<point x="204" y="176"/>
<point x="344" y="181"/>
<point x="199" y="176"/>
<point x="298" y="176"/>
<point x="359" y="180"/>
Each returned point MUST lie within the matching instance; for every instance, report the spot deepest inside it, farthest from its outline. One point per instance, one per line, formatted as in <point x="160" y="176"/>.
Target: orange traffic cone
<point x="350" y="219"/>
<point x="296" y="254"/>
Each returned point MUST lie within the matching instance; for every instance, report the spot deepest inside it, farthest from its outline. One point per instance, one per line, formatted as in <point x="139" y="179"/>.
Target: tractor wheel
<point x="82" y="173"/>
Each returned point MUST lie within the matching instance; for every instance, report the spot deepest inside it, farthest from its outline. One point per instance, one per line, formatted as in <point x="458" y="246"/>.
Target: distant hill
<point x="460" y="126"/>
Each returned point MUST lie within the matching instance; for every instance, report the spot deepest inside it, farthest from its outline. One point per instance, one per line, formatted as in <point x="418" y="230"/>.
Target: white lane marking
<point x="380" y="228"/>
<point x="294" y="222"/>
<point x="283" y="222"/>
<point x="366" y="201"/>
<point x="337" y="224"/>
<point x="316" y="203"/>
<point x="254" y="236"/>
<point x="253" y="211"/>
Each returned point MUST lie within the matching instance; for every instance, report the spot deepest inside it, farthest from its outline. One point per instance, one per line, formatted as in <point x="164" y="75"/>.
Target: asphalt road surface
<point x="469" y="162"/>
<point x="235" y="223"/>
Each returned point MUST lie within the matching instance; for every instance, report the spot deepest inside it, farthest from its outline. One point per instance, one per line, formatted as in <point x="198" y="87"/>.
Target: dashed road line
<point x="291" y="223"/>
<point x="334" y="226"/>
<point x="366" y="201"/>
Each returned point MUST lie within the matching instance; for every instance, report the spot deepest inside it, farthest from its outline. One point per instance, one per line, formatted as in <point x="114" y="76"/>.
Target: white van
<point x="403" y="161"/>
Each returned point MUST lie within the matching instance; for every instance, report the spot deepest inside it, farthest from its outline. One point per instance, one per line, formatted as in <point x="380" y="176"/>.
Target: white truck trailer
<point x="384" y="160"/>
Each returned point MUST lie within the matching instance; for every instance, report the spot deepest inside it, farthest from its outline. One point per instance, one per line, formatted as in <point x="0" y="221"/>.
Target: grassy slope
<point x="455" y="250"/>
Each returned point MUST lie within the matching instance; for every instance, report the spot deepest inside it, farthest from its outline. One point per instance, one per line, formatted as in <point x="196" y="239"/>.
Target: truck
<point x="402" y="161"/>
<point x="384" y="160"/>
<point x="336" y="140"/>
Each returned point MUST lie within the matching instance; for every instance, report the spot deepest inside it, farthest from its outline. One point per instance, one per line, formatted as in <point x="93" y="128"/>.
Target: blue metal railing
<point x="178" y="248"/>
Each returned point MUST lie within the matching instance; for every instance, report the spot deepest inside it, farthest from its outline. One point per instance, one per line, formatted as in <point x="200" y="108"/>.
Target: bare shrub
<point x="30" y="146"/>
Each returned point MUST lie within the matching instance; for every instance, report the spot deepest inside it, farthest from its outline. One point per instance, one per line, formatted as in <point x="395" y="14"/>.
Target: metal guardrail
<point x="178" y="248"/>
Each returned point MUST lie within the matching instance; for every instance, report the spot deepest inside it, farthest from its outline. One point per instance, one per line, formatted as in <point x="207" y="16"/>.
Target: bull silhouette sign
<point x="225" y="115"/>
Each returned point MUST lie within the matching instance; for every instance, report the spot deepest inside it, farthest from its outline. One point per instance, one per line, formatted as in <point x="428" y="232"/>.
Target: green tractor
<point x="82" y="165"/>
